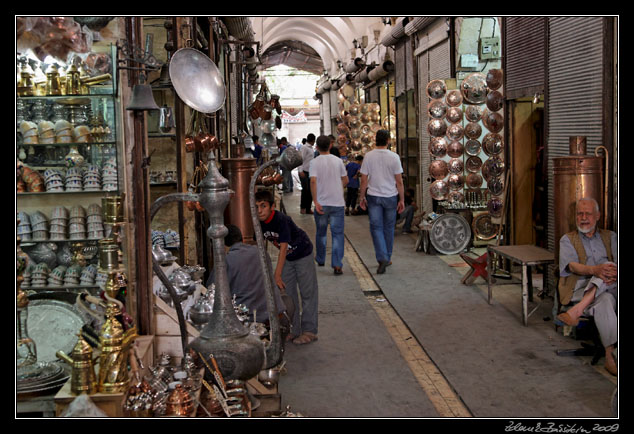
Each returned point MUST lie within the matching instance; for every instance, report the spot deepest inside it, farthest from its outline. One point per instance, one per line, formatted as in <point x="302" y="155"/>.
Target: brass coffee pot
<point x="53" y="84"/>
<point x="83" y="379"/>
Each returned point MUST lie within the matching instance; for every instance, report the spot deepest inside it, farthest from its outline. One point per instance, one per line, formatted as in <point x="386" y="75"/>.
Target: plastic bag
<point x="83" y="406"/>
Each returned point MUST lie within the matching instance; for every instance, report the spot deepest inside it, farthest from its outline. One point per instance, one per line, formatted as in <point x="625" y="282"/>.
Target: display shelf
<point x="87" y="192"/>
<point x="59" y="288"/>
<point x="62" y="97"/>
<point x="61" y="145"/>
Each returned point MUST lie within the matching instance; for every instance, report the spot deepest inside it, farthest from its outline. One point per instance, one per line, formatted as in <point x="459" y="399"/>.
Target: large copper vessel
<point x="575" y="176"/>
<point x="239" y="172"/>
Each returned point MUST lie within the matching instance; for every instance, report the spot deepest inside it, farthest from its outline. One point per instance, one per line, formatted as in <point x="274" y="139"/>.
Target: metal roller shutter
<point x="425" y="156"/>
<point x="400" y="67"/>
<point x="525" y="39"/>
<point x="575" y="97"/>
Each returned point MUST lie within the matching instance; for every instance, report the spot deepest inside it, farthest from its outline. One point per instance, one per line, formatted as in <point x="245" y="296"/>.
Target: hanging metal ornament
<point x="472" y="147"/>
<point x="455" y="149"/>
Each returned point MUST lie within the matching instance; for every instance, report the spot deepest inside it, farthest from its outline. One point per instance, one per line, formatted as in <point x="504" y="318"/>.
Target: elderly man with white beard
<point x="588" y="276"/>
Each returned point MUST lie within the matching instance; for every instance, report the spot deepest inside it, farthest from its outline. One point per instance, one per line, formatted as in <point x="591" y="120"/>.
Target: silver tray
<point x="54" y="325"/>
<point x="450" y="234"/>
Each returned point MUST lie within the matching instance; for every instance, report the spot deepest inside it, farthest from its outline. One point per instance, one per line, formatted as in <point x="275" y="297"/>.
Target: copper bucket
<point x="239" y="172"/>
<point x="575" y="176"/>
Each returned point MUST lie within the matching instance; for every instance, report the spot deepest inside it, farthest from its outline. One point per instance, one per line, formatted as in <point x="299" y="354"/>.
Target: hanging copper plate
<point x="455" y="149"/>
<point x="365" y="118"/>
<point x="437" y="109"/>
<point x="355" y="133"/>
<point x="456" y="166"/>
<point x="365" y="129"/>
<point x="375" y="107"/>
<point x="492" y="168"/>
<point x="496" y="186"/>
<point x="474" y="88"/>
<point x="492" y="144"/>
<point x="473" y="113"/>
<point x="438" y="147"/>
<point x="474" y="180"/>
<point x="354" y="122"/>
<point x="366" y="139"/>
<point x="456" y="196"/>
<point x="495" y="101"/>
<point x="438" y="169"/>
<point x="472" y="130"/>
<point x="494" y="79"/>
<point x="472" y="147"/>
<point x="484" y="228"/>
<point x="375" y="117"/>
<point x="494" y="206"/>
<point x="354" y="109"/>
<point x="375" y="128"/>
<point x="454" y="114"/>
<point x="493" y="121"/>
<point x="356" y="145"/>
<point x="436" y="89"/>
<point x="342" y="129"/>
<point x="439" y="190"/>
<point x="456" y="182"/>
<point x="454" y="98"/>
<point x="473" y="164"/>
<point x="455" y="132"/>
<point x="437" y="127"/>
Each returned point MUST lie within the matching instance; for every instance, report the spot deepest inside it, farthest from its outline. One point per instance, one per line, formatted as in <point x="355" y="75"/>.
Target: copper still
<point x="239" y="172"/>
<point x="576" y="176"/>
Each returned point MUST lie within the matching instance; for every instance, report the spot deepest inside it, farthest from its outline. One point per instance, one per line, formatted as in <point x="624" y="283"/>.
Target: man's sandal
<point x="305" y="338"/>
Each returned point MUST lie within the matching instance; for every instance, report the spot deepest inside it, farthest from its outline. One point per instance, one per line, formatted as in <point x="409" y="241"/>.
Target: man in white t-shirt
<point x="382" y="196"/>
<point x="328" y="177"/>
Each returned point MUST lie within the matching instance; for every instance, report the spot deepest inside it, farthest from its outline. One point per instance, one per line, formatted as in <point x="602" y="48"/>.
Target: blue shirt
<point x="257" y="152"/>
<point x="352" y="168"/>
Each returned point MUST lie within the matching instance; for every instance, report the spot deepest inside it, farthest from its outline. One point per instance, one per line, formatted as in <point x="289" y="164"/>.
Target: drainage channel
<point x="444" y="399"/>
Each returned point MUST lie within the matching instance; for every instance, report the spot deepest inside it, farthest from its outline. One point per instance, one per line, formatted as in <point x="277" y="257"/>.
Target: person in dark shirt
<point x="408" y="213"/>
<point x="295" y="272"/>
<point x="287" y="183"/>
<point x="257" y="151"/>
<point x="249" y="288"/>
<point x="334" y="149"/>
<point x="352" y="191"/>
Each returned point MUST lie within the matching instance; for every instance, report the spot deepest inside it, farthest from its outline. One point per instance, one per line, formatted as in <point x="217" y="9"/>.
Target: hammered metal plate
<point x="54" y="326"/>
<point x="484" y="228"/>
<point x="450" y="234"/>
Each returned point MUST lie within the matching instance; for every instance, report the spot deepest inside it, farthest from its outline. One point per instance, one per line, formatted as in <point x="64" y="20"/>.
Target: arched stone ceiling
<point x="330" y="37"/>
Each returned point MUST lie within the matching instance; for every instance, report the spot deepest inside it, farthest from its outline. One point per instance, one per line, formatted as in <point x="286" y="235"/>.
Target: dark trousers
<point x="351" y="197"/>
<point x="306" y="201"/>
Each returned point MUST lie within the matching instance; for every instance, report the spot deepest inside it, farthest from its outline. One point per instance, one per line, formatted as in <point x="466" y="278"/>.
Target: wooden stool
<point x="478" y="268"/>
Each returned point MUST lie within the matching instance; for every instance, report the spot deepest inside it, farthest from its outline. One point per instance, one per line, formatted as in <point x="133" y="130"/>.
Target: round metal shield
<point x="450" y="234"/>
<point x="454" y="98"/>
<point x="438" y="147"/>
<point x="436" y="89"/>
<point x="474" y="88"/>
<point x="197" y="80"/>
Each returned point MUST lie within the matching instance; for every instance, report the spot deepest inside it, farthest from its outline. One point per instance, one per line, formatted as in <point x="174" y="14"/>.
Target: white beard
<point x="585" y="231"/>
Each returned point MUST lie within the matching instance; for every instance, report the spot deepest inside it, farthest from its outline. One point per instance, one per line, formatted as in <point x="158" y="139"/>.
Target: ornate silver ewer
<point x="239" y="354"/>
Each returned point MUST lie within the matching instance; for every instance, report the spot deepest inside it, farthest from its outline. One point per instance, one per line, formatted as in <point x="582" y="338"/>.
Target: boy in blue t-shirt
<point x="352" y="191"/>
<point x="295" y="269"/>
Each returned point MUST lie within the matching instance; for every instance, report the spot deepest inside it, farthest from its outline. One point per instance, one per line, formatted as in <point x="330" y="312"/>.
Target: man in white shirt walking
<point x="382" y="195"/>
<point x="308" y="153"/>
<point x="328" y="177"/>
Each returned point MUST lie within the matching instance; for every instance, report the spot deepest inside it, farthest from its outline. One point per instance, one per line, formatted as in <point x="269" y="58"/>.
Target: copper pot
<point x="455" y="149"/>
<point x="438" y="169"/>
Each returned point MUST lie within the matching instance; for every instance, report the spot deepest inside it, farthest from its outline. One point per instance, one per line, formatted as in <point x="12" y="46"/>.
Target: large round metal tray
<point x="450" y="234"/>
<point x="54" y="325"/>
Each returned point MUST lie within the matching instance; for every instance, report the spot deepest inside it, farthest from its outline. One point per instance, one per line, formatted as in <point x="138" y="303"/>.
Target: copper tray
<point x="473" y="130"/>
<point x="456" y="166"/>
<point x="474" y="164"/>
<point x="438" y="147"/>
<point x="495" y="101"/>
<point x="454" y="115"/>
<point x="495" y="207"/>
<point x="473" y="113"/>
<point x="472" y="147"/>
<point x="495" y="186"/>
<point x="483" y="228"/>
<point x="437" y="127"/>
<point x="492" y="168"/>
<point x="492" y="144"/>
<point x="437" y="109"/>
<point x="474" y="88"/>
<point x="436" y="89"/>
<point x="455" y="149"/>
<point x="456" y="182"/>
<point x="474" y="180"/>
<point x="455" y="132"/>
<point x="439" y="190"/>
<point x="455" y="196"/>
<point x="494" y="79"/>
<point x="454" y="98"/>
<point x="493" y="121"/>
<point x="438" y="169"/>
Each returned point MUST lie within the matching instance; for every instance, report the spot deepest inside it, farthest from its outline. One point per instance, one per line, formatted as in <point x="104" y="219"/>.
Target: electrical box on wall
<point x="490" y="48"/>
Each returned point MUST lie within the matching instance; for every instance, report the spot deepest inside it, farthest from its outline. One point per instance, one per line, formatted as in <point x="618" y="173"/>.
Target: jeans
<point x="287" y="184"/>
<point x="408" y="215"/>
<point x="332" y="215"/>
<point x="306" y="201"/>
<point x="300" y="278"/>
<point x="382" y="214"/>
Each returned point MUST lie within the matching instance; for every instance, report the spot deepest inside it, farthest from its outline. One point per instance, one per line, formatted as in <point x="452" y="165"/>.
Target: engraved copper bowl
<point x="493" y="121"/>
<point x="438" y="169"/>
<point x="436" y="89"/>
<point x="473" y="113"/>
<point x="474" y="88"/>
<point x="474" y="180"/>
<point x="454" y="98"/>
<point x="456" y="182"/>
<point x="493" y="168"/>
<point x="439" y="190"/>
<point x="454" y="114"/>
<point x="437" y="127"/>
<point x="495" y="207"/>
<point x="472" y="147"/>
<point x="474" y="164"/>
<point x="437" y="109"/>
<point x="495" y="101"/>
<point x="496" y="186"/>
<point x="472" y="130"/>
<point x="455" y="132"/>
<point x="438" y="147"/>
<point x="494" y="79"/>
<point x="455" y="149"/>
<point x="492" y="144"/>
<point x="456" y="166"/>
